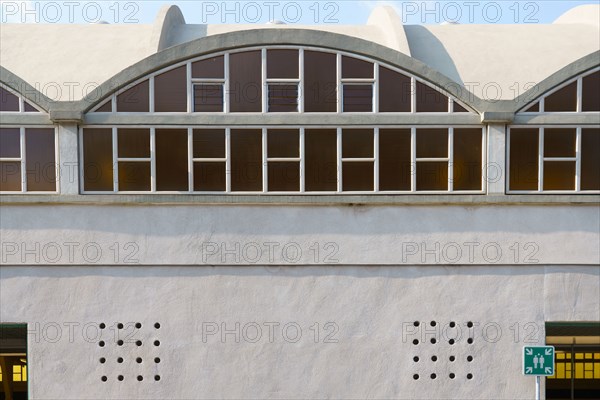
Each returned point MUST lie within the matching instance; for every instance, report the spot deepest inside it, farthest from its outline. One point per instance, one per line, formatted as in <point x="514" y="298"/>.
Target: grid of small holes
<point x="452" y="358"/>
<point x="138" y="343"/>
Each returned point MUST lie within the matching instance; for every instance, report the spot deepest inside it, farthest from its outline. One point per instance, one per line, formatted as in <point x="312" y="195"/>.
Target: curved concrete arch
<point x="29" y="93"/>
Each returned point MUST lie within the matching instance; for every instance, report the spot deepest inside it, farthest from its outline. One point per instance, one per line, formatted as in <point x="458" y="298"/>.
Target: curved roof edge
<point x="167" y="20"/>
<point x="587" y="14"/>
<point x="388" y="20"/>
<point x="24" y="89"/>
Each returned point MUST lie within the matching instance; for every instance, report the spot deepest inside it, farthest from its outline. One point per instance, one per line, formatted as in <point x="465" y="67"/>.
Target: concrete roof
<point x="491" y="61"/>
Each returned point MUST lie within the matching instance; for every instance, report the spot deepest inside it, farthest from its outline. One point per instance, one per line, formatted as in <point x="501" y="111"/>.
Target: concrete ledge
<point x="497" y="117"/>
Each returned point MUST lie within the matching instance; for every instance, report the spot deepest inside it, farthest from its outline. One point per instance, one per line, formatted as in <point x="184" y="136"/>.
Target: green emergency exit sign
<point x="538" y="360"/>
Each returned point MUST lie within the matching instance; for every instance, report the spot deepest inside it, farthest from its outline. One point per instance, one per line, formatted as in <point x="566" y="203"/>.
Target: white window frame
<point x="22" y="102"/>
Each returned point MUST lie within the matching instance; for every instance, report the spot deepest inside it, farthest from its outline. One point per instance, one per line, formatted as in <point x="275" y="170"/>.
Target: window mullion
<point x="301" y="80"/>
<point x="265" y="167"/>
<point x="23" y="159"/>
<point x="115" y="158"/>
<point x="153" y="160"/>
<point x="302" y="162"/>
<point x="339" y="93"/>
<point x="578" y="161"/>
<point x="226" y="95"/>
<point x="190" y="88"/>
<point x="541" y="159"/>
<point x="228" y="160"/>
<point x="264" y="86"/>
<point x="375" y="100"/>
<point x="190" y="160"/>
<point x="413" y="159"/>
<point x="450" y="187"/>
<point x="339" y="160"/>
<point x="376" y="163"/>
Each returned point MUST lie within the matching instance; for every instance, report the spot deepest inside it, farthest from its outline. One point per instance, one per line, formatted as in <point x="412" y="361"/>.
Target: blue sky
<point x="291" y="12"/>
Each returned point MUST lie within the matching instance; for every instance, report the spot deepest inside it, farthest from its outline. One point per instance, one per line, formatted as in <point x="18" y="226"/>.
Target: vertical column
<point x="67" y="159"/>
<point x="496" y="166"/>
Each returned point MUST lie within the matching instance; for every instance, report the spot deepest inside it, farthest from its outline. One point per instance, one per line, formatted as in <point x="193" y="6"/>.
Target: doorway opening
<point x="13" y="362"/>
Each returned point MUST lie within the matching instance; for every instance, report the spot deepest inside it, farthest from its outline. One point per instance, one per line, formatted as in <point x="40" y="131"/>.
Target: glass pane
<point x="10" y="143"/>
<point x="321" y="160"/>
<point x="106" y="107"/>
<point x="358" y="98"/>
<point x="459" y="109"/>
<point x="524" y="159"/>
<point x="209" y="176"/>
<point x="563" y="100"/>
<point x="246" y="81"/>
<point x="97" y="160"/>
<point x="170" y="91"/>
<point x="283" y="143"/>
<point x="356" y="68"/>
<point x="282" y="64"/>
<point x="284" y="176"/>
<point x="246" y="160"/>
<point x="172" y="160"/>
<point x="590" y="159"/>
<point x="394" y="91"/>
<point x="432" y="175"/>
<point x="283" y="98"/>
<point x="134" y="176"/>
<point x="211" y="68"/>
<point x="357" y="176"/>
<point x="534" y="108"/>
<point x="559" y="175"/>
<point x="208" y="98"/>
<point x="591" y="92"/>
<point x="320" y="82"/>
<point x="40" y="160"/>
<point x="394" y="159"/>
<point x="467" y="168"/>
<point x="430" y="100"/>
<point x="28" y="107"/>
<point x="209" y="143"/>
<point x="8" y="101"/>
<point x="135" y="99"/>
<point x="559" y="142"/>
<point x="432" y="143"/>
<point x="134" y="143"/>
<point x="357" y="143"/>
<point x="10" y="176"/>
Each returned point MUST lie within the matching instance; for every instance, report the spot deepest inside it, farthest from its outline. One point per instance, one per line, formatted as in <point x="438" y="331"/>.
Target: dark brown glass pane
<point x="171" y="160"/>
<point x="211" y="68"/>
<point x="357" y="176"/>
<point x="590" y="159"/>
<point x="524" y="159"/>
<point x="394" y="159"/>
<point x="134" y="143"/>
<point x="394" y="91"/>
<point x="357" y="143"/>
<point x="534" y="108"/>
<point x="282" y="64"/>
<point x="559" y="142"/>
<point x="459" y="109"/>
<point x="283" y="98"/>
<point x="106" y="107"/>
<point x="283" y="143"/>
<point x="321" y="160"/>
<point x="432" y="143"/>
<point x="170" y="91"/>
<point x="135" y="99"/>
<point x="40" y="160"/>
<point x="10" y="176"/>
<point x="134" y="176"/>
<point x="430" y="100"/>
<point x="28" y="107"/>
<point x="245" y="88"/>
<point x="320" y="82"/>
<point x="591" y="92"/>
<point x="559" y="175"/>
<point x="358" y="98"/>
<point x="10" y="143"/>
<point x="8" y="101"/>
<point x="209" y="177"/>
<point x="209" y="143"/>
<point x="284" y="176"/>
<point x="467" y="168"/>
<point x="356" y="68"/>
<point x="563" y="100"/>
<point x="246" y="160"/>
<point x="432" y="176"/>
<point x="97" y="160"/>
<point x="208" y="98"/>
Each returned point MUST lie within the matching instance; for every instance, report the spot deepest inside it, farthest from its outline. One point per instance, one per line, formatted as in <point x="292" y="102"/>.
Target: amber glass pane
<point x="135" y="99"/>
<point x="211" y="68"/>
<point x="28" y="107"/>
<point x="432" y="175"/>
<point x="430" y="100"/>
<point x="209" y="143"/>
<point x="563" y="100"/>
<point x="170" y="91"/>
<point x="357" y="143"/>
<point x="358" y="98"/>
<point x="171" y="160"/>
<point x="8" y="101"/>
<point x="283" y="98"/>
<point x="320" y="82"/>
<point x="394" y="159"/>
<point x="432" y="143"/>
<point x="591" y="92"/>
<point x="356" y="68"/>
<point x="10" y="176"/>
<point x="282" y="64"/>
<point x="534" y="108"/>
<point x="10" y="143"/>
<point x="357" y="176"/>
<point x="209" y="177"/>
<point x="106" y="107"/>
<point x="208" y="98"/>
<point x="97" y="160"/>
<point x="134" y="143"/>
<point x="394" y="91"/>
<point x="559" y="142"/>
<point x="246" y="160"/>
<point x="321" y="160"/>
<point x="559" y="175"/>
<point x="524" y="159"/>
<point x="245" y="86"/>
<point x="590" y="159"/>
<point x="459" y="109"/>
<point x="134" y="176"/>
<point x="40" y="160"/>
<point x="284" y="176"/>
<point x="467" y="168"/>
<point x="283" y="143"/>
